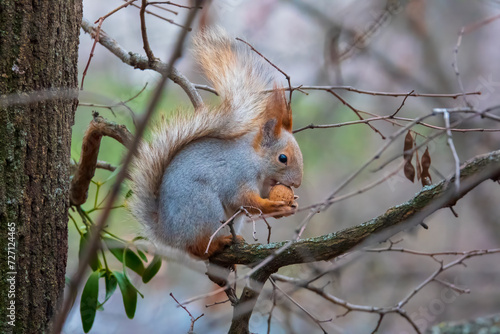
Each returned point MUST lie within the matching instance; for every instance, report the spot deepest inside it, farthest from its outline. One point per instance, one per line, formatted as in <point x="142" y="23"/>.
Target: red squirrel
<point x="199" y="168"/>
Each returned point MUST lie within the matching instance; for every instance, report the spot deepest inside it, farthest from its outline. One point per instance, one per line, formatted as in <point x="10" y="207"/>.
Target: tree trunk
<point x="38" y="60"/>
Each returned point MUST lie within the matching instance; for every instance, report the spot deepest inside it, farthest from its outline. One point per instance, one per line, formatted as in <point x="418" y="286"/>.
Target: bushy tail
<point x="238" y="74"/>
<point x="240" y="78"/>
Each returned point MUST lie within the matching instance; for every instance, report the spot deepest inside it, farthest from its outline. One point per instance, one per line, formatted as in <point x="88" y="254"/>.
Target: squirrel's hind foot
<point x="199" y="248"/>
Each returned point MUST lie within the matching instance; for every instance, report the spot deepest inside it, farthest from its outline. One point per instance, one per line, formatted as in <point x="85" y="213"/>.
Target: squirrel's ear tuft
<point x="278" y="117"/>
<point x="277" y="108"/>
<point x="268" y="135"/>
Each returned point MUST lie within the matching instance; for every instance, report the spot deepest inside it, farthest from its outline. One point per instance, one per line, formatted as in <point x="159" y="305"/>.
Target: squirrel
<point x="199" y="169"/>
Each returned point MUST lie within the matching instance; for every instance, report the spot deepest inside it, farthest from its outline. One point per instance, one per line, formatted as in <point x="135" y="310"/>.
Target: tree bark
<point x="38" y="81"/>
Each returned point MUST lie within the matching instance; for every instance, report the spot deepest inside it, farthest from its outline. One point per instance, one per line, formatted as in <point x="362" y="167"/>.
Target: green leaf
<point x="152" y="269"/>
<point x="129" y="293"/>
<point x="111" y="284"/>
<point x="142" y="255"/>
<point x="133" y="262"/>
<point x="118" y="253"/>
<point x="94" y="262"/>
<point x="88" y="303"/>
<point x="131" y="259"/>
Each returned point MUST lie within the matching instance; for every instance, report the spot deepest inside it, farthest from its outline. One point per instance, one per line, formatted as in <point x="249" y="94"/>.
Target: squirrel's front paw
<point x="283" y="209"/>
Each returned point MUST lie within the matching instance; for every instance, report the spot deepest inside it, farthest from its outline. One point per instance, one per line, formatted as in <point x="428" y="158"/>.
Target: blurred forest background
<point x="410" y="47"/>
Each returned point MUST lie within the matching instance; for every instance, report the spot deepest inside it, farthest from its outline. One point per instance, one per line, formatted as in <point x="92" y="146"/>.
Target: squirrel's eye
<point x="282" y="158"/>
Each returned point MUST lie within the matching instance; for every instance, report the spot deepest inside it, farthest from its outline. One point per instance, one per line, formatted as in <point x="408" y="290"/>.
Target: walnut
<point x="282" y="193"/>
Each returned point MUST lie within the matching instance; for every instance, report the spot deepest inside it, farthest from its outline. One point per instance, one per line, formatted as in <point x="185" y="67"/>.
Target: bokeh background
<point x="410" y="47"/>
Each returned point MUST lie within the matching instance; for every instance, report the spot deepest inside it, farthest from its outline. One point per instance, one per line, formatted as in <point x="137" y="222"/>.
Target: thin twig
<point x="360" y="91"/>
<point x="262" y="216"/>
<point x="273" y="297"/>
<point x="114" y="11"/>
<point x="402" y="104"/>
<point x="141" y="62"/>
<point x="385" y="118"/>
<point x="446" y="116"/>
<point x="356" y="111"/>
<point x="162" y="8"/>
<point x="163" y="18"/>
<point x="361" y="38"/>
<point x="145" y="42"/>
<point x="465" y="30"/>
<point x="316" y="320"/>
<point x="105" y="165"/>
<point x="276" y="67"/>
<point x="96" y="39"/>
<point x="226" y="223"/>
<point x="193" y="319"/>
<point x="217" y="303"/>
<point x="174" y="4"/>
<point x="111" y="107"/>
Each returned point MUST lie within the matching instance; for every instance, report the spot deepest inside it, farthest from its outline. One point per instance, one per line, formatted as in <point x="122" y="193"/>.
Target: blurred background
<point x="383" y="46"/>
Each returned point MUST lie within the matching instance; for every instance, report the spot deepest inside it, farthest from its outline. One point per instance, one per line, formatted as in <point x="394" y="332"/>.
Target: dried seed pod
<point x="426" y="163"/>
<point x="426" y="159"/>
<point x="282" y="193"/>
<point x="409" y="171"/>
<point x="407" y="155"/>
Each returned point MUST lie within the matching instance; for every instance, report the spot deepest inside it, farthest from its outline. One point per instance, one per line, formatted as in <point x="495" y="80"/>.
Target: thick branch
<point x="143" y="63"/>
<point x="332" y="245"/>
<point x="277" y="255"/>
<point x="98" y="127"/>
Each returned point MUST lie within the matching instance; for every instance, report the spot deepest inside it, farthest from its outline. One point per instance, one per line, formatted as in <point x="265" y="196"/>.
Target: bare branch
<point x="137" y="61"/>
<point x="356" y="111"/>
<point x="276" y="67"/>
<point x="193" y="319"/>
<point x="360" y="91"/>
<point x="446" y="116"/>
<point x="463" y="31"/>
<point x="398" y="308"/>
<point x="96" y="39"/>
<point x="163" y="18"/>
<point x="173" y="4"/>
<point x="145" y="41"/>
<point x="316" y="320"/>
<point x="402" y="104"/>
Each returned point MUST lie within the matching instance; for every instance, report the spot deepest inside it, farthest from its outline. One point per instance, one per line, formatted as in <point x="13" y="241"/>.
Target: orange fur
<point x="264" y="205"/>
<point x="276" y="108"/>
<point x="199" y="247"/>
